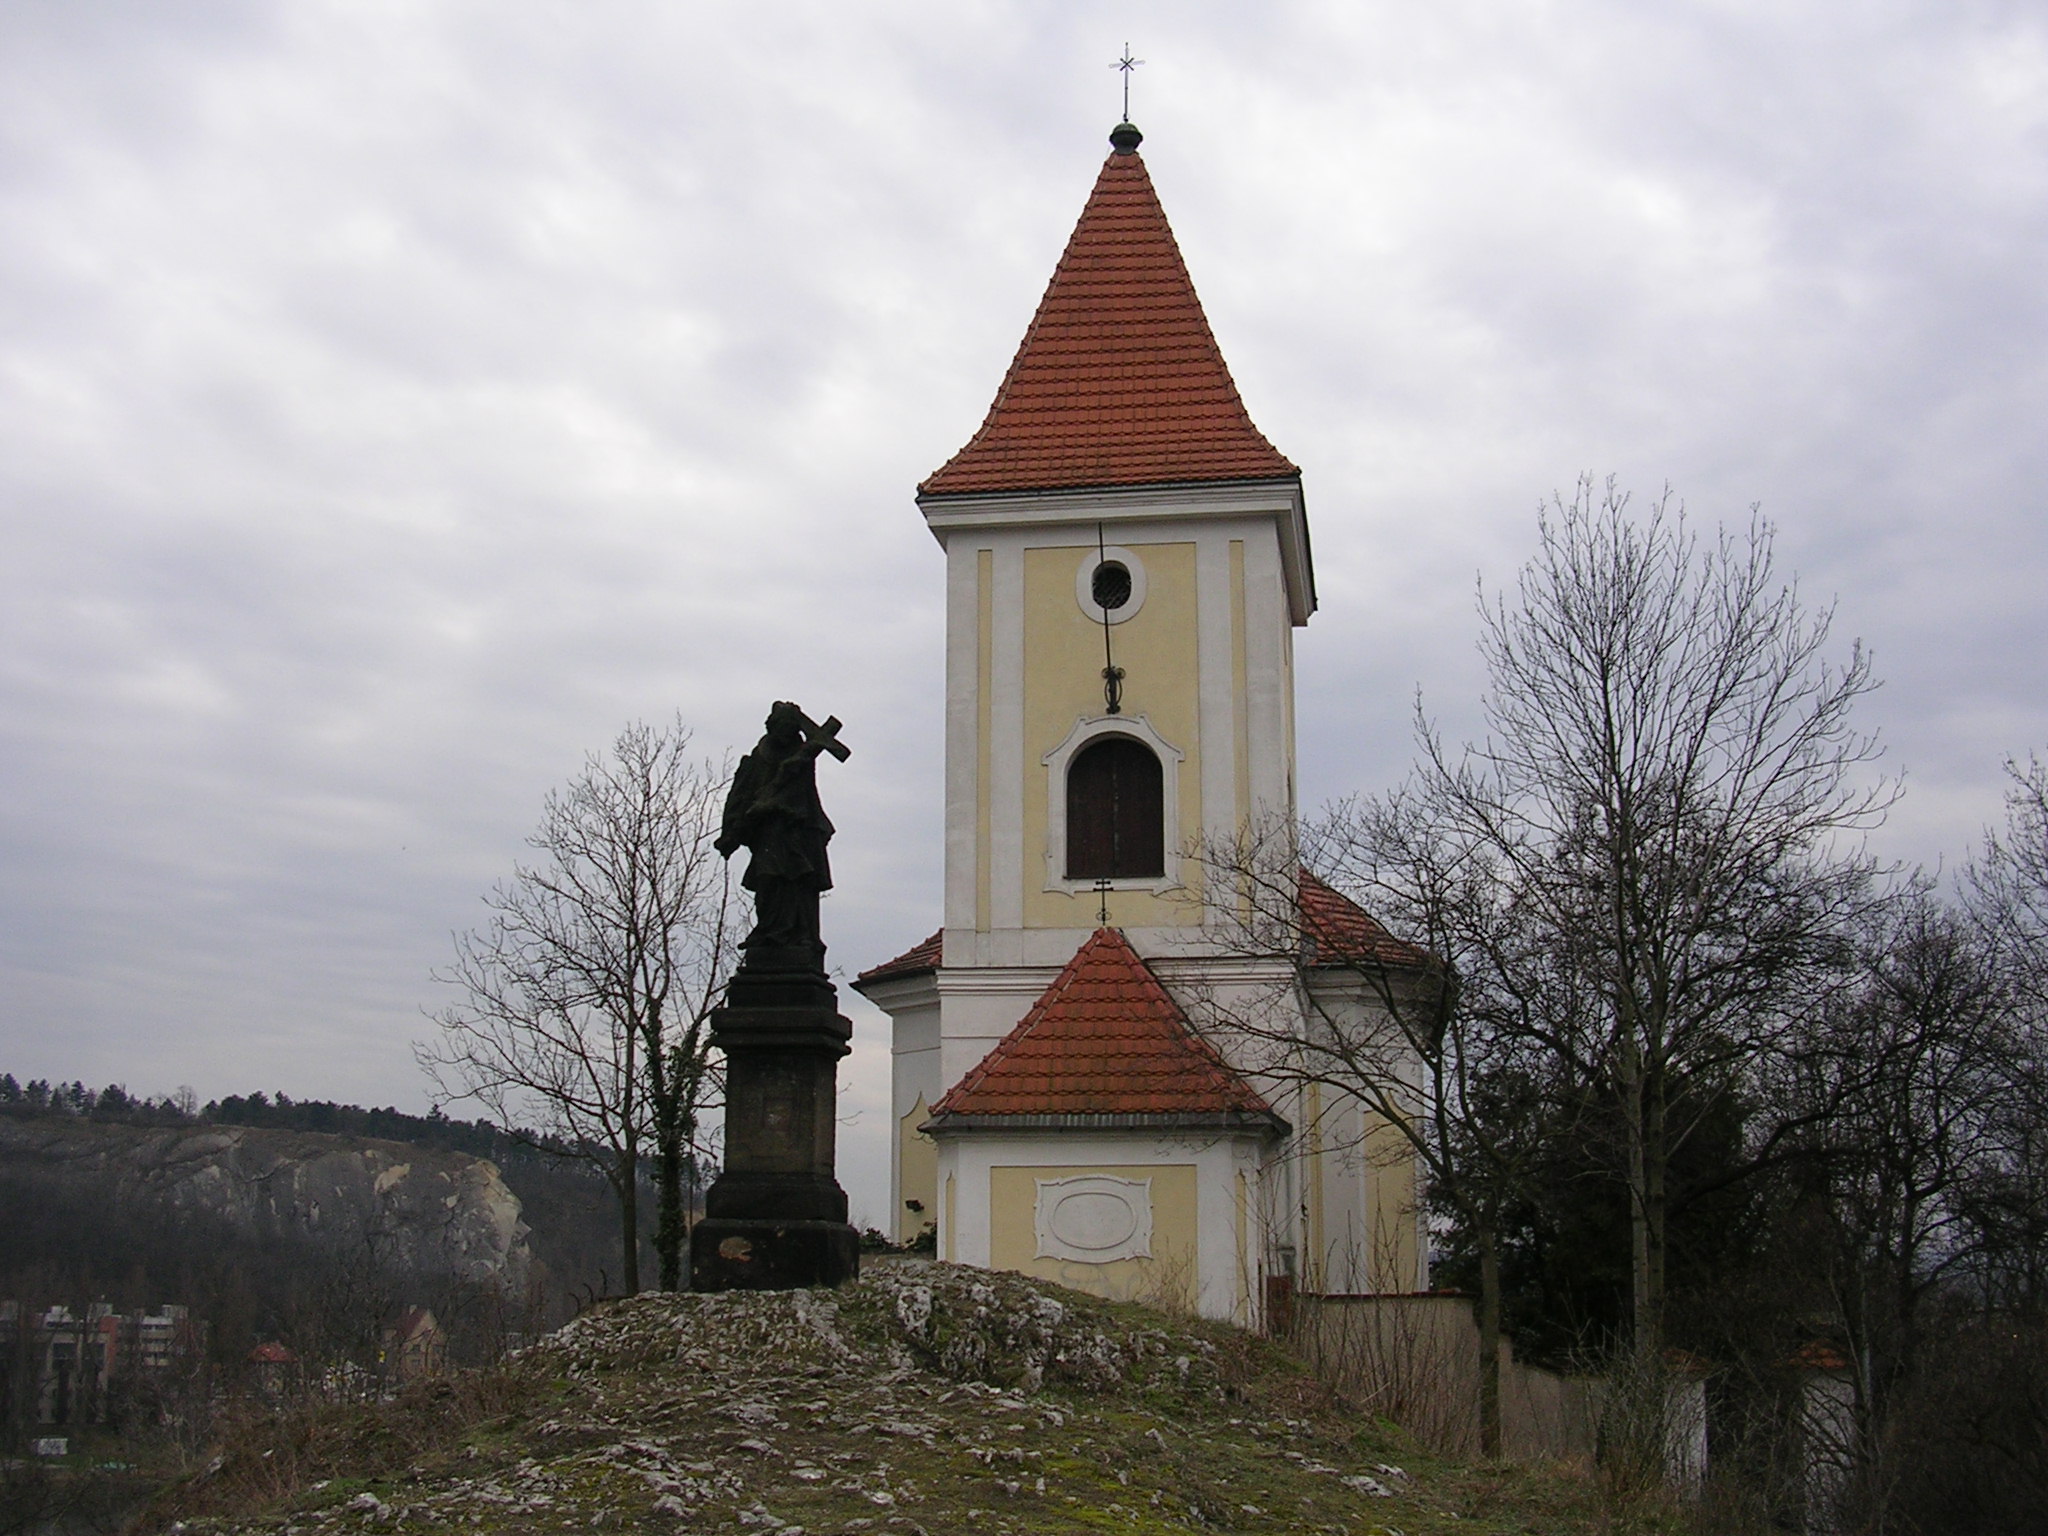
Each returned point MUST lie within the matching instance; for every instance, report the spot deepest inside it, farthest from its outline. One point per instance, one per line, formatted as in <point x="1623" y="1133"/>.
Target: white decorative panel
<point x="1094" y="1218"/>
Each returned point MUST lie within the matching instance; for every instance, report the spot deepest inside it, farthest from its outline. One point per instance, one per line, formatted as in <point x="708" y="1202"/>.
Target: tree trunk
<point x="668" y="1227"/>
<point x="675" y="1120"/>
<point x="1643" y="1330"/>
<point x="1489" y="1342"/>
<point x="627" y="1186"/>
<point x="629" y="1180"/>
<point x="1656" y="1205"/>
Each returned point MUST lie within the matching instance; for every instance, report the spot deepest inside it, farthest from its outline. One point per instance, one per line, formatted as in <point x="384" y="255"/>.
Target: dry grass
<point x="263" y="1455"/>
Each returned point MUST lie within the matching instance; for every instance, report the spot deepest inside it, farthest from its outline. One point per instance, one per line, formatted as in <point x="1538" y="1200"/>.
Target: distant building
<point x="416" y="1347"/>
<point x="164" y="1337"/>
<point x="76" y="1362"/>
<point x="275" y="1367"/>
<point x="76" y="1359"/>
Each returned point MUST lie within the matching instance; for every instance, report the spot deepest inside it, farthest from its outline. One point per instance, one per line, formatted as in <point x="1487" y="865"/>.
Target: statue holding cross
<point x="776" y="1217"/>
<point x="773" y="811"/>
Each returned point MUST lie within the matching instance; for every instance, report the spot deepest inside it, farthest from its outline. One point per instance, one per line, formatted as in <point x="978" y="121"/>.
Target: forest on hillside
<point x="87" y="1242"/>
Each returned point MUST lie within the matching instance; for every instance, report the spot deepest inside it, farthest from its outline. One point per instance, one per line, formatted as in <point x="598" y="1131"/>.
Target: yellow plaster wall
<point x="984" y="644"/>
<point x="1287" y="707"/>
<point x="1240" y="674"/>
<point x="1063" y="683"/>
<point x="1314" y="1172"/>
<point x="917" y="1170"/>
<point x="1241" y="1305"/>
<point x="1390" y="1159"/>
<point x="1169" y="1277"/>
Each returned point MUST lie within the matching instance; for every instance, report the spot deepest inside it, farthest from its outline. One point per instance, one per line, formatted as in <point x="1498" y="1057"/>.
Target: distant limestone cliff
<point x="413" y="1208"/>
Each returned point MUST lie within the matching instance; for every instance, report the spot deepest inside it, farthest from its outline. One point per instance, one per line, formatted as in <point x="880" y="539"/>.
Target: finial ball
<point x="1125" y="138"/>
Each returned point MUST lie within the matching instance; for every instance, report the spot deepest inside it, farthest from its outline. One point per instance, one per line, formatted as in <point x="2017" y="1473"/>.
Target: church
<point x="1127" y="560"/>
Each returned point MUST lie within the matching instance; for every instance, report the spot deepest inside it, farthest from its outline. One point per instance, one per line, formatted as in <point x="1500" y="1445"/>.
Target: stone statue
<point x="775" y="1218"/>
<point x="773" y="811"/>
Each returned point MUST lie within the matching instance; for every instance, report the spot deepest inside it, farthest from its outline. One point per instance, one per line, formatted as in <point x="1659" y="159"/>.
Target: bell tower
<point x="1126" y="560"/>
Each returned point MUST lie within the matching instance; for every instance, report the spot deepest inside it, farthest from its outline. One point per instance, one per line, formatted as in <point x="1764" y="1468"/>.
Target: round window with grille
<point x="1110" y="586"/>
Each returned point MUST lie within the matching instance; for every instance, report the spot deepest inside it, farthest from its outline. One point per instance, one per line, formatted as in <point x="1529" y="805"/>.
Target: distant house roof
<point x="272" y="1354"/>
<point x="1104" y="1041"/>
<point x="1118" y="380"/>
<point x="1336" y="930"/>
<point x="1819" y="1356"/>
<point x="914" y="961"/>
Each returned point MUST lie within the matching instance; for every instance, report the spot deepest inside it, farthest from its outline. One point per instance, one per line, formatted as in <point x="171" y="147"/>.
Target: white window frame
<point x="1089" y="729"/>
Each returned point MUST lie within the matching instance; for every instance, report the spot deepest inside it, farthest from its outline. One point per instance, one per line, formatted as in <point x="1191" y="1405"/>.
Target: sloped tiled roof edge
<point x="914" y="961"/>
<point x="1118" y="380"/>
<point x="1104" y="1039"/>
<point x="1337" y="931"/>
<point x="1222" y="1120"/>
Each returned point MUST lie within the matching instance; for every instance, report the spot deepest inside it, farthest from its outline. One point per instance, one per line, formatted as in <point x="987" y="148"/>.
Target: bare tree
<point x="1904" y="1088"/>
<point x="586" y="997"/>
<point x="2007" y="884"/>
<point x="1423" y="1020"/>
<point x="1667" y="780"/>
<point x="2006" y="895"/>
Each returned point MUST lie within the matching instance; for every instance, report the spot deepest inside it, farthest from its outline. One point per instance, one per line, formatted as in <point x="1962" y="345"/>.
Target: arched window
<point x="1116" y="820"/>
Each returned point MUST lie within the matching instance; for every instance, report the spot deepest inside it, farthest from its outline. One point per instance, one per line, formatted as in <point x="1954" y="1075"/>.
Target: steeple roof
<point x="1118" y="381"/>
<point x="1104" y="1039"/>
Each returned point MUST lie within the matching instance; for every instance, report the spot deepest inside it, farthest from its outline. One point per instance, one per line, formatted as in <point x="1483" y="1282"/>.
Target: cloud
<point x="395" y="400"/>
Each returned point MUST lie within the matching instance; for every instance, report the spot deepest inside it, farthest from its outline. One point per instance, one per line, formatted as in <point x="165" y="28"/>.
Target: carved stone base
<point x="733" y="1254"/>
<point x="776" y="1218"/>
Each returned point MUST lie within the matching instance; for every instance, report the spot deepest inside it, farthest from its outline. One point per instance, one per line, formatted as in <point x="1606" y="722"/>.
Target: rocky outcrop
<point x="923" y="1397"/>
<point x="408" y="1207"/>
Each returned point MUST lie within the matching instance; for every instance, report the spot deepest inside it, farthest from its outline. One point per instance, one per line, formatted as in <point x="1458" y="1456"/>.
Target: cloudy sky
<point x="398" y="396"/>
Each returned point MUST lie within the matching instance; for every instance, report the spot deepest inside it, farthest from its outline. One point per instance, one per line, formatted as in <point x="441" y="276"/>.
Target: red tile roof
<point x="1118" y="381"/>
<point x="914" y="961"/>
<point x="1819" y="1356"/>
<point x="1337" y="931"/>
<point x="1104" y="1039"/>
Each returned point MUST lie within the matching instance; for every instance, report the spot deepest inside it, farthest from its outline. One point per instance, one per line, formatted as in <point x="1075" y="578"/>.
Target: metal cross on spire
<point x="1127" y="64"/>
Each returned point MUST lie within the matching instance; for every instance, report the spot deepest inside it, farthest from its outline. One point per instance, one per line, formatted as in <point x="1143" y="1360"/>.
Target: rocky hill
<point x="417" y="1208"/>
<point x="924" y="1399"/>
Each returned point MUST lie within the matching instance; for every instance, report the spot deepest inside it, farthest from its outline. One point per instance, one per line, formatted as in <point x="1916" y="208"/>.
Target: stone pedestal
<point x="776" y="1218"/>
